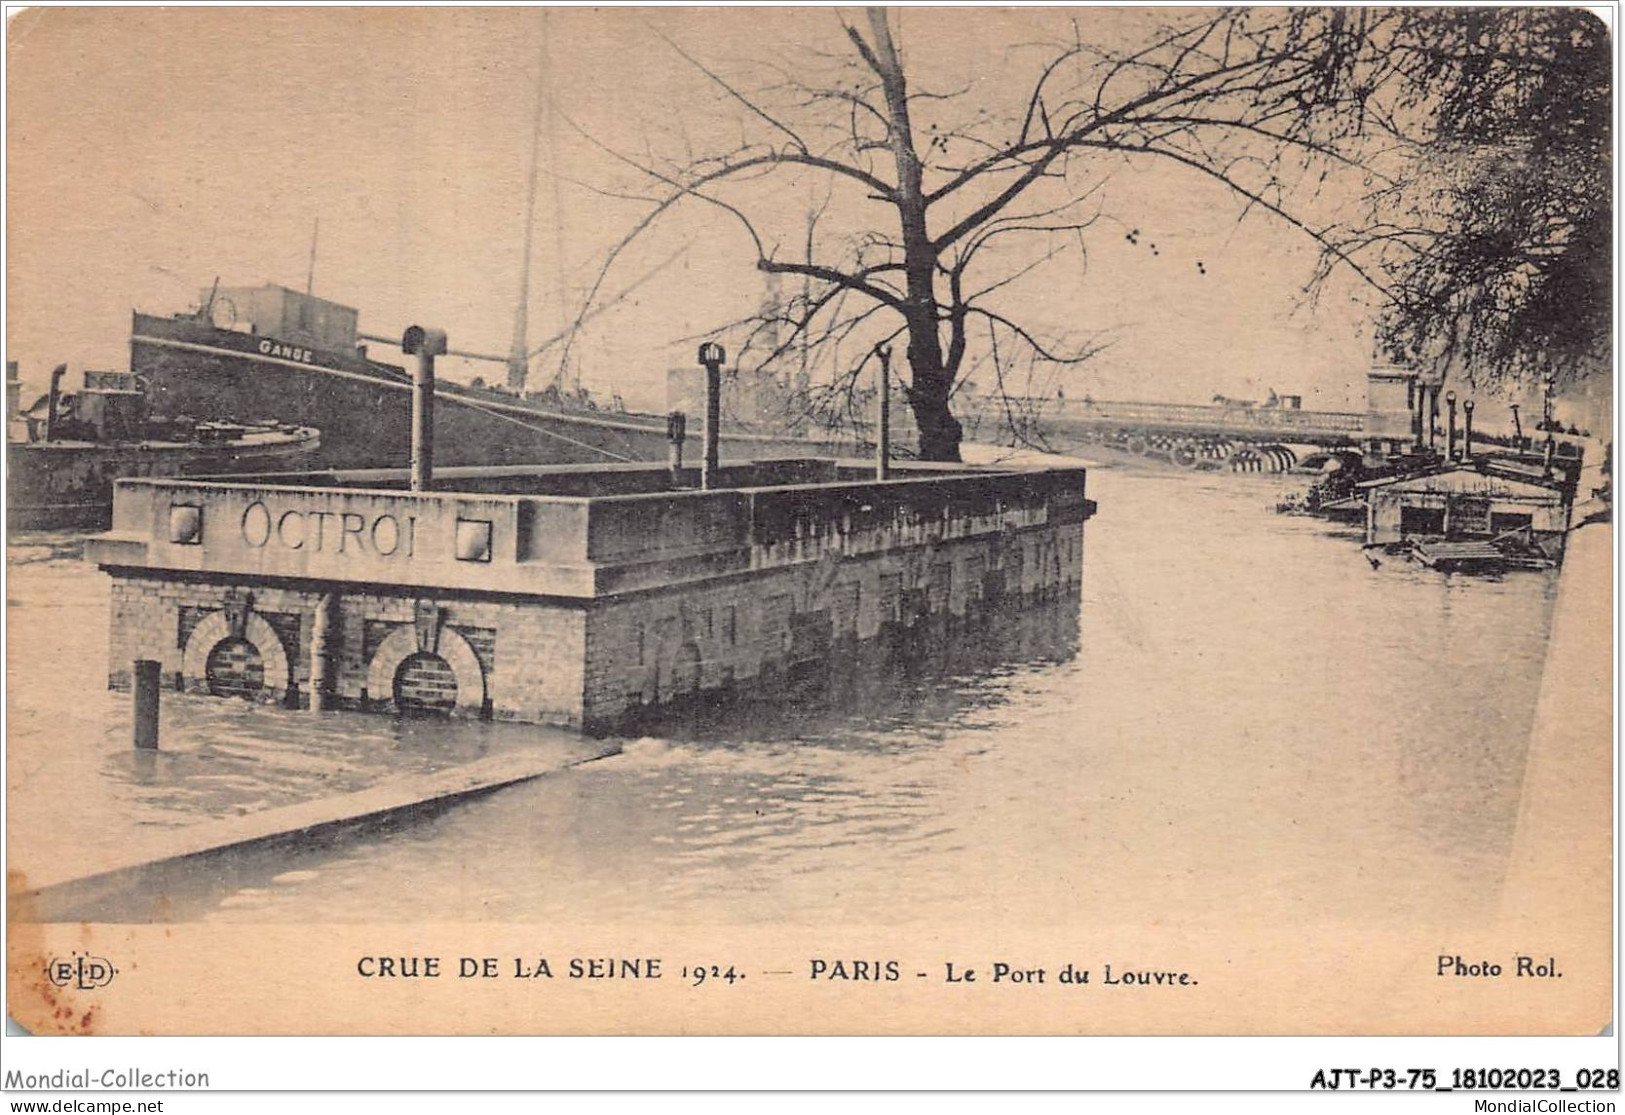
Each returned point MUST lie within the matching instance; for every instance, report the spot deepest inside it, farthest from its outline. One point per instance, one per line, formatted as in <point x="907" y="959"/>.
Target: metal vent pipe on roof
<point x="712" y="355"/>
<point x="883" y="419"/>
<point x="54" y="404"/>
<point x="425" y="344"/>
<point x="676" y="433"/>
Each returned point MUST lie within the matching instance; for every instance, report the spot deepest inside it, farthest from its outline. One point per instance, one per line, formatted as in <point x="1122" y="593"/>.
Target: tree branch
<point x="856" y="282"/>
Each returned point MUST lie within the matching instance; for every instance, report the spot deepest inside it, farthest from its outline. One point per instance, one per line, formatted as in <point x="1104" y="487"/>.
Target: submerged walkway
<point x="53" y="890"/>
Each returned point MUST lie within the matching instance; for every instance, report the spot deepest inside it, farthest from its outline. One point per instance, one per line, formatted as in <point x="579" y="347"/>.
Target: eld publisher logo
<point x="83" y="972"/>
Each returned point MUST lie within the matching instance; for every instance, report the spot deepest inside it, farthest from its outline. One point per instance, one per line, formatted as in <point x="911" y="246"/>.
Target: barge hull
<point x="363" y="407"/>
<point x="62" y="485"/>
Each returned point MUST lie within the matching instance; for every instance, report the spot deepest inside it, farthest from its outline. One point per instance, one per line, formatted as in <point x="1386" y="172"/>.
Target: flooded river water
<point x="1246" y="715"/>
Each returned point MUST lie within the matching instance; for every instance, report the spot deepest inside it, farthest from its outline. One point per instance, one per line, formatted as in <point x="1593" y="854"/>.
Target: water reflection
<point x="905" y="679"/>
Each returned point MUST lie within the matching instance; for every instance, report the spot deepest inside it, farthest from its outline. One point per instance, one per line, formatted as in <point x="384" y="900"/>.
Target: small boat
<point x="1513" y="550"/>
<point x="64" y="452"/>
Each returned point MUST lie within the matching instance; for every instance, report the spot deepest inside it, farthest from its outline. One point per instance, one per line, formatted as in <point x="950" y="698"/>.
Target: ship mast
<point x="555" y="187"/>
<point x="310" y="274"/>
<point x="518" y="354"/>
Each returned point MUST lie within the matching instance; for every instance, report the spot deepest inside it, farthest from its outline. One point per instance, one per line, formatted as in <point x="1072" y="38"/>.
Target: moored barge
<point x="299" y="358"/>
<point x="64" y="452"/>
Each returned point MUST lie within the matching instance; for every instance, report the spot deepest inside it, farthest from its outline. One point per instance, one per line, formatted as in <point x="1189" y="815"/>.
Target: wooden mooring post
<point x="147" y="673"/>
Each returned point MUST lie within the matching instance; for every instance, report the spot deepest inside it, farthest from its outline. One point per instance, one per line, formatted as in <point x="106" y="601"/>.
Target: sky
<point x="151" y="151"/>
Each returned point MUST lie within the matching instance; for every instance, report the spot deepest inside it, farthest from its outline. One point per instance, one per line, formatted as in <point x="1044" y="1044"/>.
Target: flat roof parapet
<point x="568" y="531"/>
<point x="619" y="478"/>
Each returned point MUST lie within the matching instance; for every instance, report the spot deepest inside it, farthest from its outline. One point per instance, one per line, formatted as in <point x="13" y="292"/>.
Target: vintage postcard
<point x="825" y="521"/>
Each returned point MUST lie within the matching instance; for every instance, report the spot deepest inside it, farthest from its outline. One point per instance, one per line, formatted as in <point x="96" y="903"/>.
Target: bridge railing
<point x="1224" y="418"/>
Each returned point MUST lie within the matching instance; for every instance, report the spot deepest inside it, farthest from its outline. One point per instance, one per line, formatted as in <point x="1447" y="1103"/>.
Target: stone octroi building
<point x="572" y="595"/>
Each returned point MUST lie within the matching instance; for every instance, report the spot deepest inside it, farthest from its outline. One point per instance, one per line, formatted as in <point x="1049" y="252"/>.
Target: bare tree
<point x="937" y="203"/>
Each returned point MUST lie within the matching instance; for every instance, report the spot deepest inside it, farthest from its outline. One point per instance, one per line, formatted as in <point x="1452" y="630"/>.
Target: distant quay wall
<point x="570" y="596"/>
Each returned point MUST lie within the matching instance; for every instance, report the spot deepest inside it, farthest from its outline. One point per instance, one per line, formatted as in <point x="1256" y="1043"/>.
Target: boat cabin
<point x="1464" y="503"/>
<point x="289" y="315"/>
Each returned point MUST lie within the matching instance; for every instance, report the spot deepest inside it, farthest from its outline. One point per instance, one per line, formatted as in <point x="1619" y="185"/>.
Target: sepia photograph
<point x="812" y="521"/>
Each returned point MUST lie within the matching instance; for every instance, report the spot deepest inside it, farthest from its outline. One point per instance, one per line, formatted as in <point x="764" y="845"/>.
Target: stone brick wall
<point x="425" y="681"/>
<point x="583" y="666"/>
<point x="155" y="616"/>
<point x="644" y="602"/>
<point x="527" y="657"/>
<point x="669" y="647"/>
<point x="528" y="652"/>
<point x="235" y="668"/>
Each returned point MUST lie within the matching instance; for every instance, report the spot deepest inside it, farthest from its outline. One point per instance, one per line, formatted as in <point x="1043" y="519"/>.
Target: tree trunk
<point x="940" y="431"/>
<point x="931" y="381"/>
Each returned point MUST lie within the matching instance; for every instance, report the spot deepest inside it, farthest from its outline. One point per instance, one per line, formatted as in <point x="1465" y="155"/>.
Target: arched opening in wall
<point x="235" y="669"/>
<point x="425" y="685"/>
